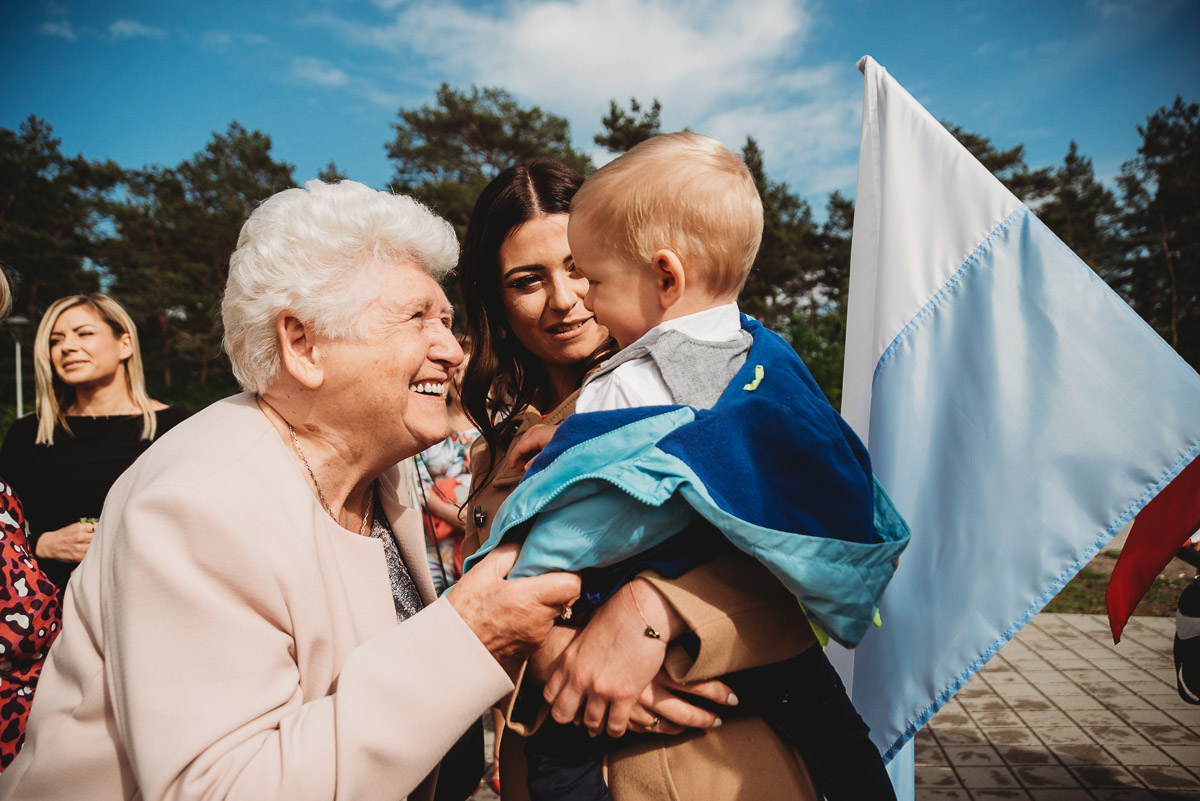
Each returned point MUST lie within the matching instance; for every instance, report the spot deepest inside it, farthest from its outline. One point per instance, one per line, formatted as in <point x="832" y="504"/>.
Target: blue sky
<point x="147" y="83"/>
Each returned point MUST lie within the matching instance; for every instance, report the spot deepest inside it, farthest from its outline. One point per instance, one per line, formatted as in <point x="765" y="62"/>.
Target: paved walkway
<point x="1060" y="714"/>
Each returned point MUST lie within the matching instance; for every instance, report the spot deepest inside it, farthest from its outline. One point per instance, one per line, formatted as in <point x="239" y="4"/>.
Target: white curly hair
<point x="316" y="252"/>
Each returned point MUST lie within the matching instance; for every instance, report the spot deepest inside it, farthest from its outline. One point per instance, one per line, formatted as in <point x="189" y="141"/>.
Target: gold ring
<point x="566" y="613"/>
<point x="653" y="724"/>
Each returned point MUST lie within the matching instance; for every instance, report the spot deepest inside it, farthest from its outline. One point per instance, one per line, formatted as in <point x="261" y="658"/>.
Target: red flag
<point x="1158" y="532"/>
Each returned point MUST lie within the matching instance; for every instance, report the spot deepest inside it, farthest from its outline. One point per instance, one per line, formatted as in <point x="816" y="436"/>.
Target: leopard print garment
<point x="29" y="622"/>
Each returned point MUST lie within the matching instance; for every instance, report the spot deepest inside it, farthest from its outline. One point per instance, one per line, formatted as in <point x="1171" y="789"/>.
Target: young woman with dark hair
<point x="534" y="340"/>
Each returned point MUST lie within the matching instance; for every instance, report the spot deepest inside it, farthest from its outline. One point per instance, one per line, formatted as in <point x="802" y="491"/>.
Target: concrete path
<point x="1060" y="714"/>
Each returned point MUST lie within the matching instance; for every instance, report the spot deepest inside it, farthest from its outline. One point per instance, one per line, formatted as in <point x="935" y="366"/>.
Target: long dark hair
<point x="502" y="376"/>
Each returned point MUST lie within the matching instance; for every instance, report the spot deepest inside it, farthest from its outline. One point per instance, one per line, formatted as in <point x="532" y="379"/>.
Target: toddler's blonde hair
<point x="684" y="192"/>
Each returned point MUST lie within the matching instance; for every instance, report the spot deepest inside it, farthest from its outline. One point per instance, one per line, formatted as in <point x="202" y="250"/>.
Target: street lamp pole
<point x="14" y="321"/>
<point x="20" y="389"/>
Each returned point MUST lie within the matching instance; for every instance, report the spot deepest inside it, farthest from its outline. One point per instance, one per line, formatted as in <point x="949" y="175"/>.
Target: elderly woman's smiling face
<point x="391" y="384"/>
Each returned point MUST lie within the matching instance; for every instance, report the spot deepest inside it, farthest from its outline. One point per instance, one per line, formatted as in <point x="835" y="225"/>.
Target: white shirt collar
<point x="718" y="324"/>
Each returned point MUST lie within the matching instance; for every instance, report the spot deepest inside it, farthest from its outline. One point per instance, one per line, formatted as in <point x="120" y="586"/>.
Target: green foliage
<point x="159" y="238"/>
<point x="331" y="174"/>
<point x="817" y="328"/>
<point x="785" y="270"/>
<point x="1085" y="593"/>
<point x="175" y="229"/>
<point x="446" y="153"/>
<point x="1082" y="212"/>
<point x="1160" y="272"/>
<point x="49" y="218"/>
<point x="48" y="205"/>
<point x="624" y="130"/>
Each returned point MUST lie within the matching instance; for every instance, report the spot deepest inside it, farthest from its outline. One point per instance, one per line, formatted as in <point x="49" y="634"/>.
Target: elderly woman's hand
<point x="612" y="670"/>
<point x="511" y="617"/>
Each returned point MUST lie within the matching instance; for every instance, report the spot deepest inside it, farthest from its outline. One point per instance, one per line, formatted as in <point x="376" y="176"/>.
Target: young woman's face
<point x="543" y="293"/>
<point x="84" y="350"/>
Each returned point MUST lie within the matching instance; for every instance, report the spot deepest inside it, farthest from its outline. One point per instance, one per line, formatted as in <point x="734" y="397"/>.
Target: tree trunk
<point x="1166" y="246"/>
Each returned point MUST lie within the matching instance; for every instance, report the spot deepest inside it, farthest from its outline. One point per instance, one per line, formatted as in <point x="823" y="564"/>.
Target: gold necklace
<point x="362" y="529"/>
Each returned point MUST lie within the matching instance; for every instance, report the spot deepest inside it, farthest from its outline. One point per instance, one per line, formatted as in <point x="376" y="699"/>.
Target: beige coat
<point x="225" y="639"/>
<point x="741" y="617"/>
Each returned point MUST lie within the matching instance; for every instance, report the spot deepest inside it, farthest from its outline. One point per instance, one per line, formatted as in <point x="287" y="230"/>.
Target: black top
<point x="61" y="483"/>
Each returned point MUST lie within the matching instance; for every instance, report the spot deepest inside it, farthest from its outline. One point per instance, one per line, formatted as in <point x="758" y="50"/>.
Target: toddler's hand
<point x="530" y="444"/>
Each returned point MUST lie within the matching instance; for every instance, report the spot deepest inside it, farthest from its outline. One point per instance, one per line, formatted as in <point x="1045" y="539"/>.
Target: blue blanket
<point x="772" y="466"/>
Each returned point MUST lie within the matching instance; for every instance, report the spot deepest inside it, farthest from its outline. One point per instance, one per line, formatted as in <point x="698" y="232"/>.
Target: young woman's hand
<point x="610" y="674"/>
<point x="531" y="442"/>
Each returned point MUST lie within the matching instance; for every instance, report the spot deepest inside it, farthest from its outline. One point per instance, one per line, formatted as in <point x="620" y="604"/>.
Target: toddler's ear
<point x="670" y="277"/>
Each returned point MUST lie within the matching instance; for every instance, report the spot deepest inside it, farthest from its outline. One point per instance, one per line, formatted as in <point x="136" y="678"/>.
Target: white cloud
<point x="391" y="100"/>
<point x="60" y="28"/>
<point x="728" y="69"/>
<point x="225" y="40"/>
<point x="1118" y="8"/>
<point x="316" y="71"/>
<point x="131" y="29"/>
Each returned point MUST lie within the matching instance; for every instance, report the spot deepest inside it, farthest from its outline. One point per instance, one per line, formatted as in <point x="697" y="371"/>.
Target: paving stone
<point x="1030" y="704"/>
<point x="1045" y="776"/>
<point x="1027" y="755"/>
<point x="1083" y="754"/>
<point x="972" y="755"/>
<point x="1186" y="755"/>
<point x="998" y="795"/>
<point x="1012" y="735"/>
<point x="1170" y="735"/>
<point x="980" y="702"/>
<point x="930" y="756"/>
<point x="924" y="794"/>
<point x="1166" y="777"/>
<point x="1067" y="701"/>
<point x="1092" y="776"/>
<point x="1126" y="701"/>
<point x="959" y="736"/>
<point x="1124" y="794"/>
<point x="937" y="777"/>
<point x="925" y="736"/>
<point x="1045" y="719"/>
<point x="986" y="778"/>
<point x="1060" y="794"/>
<point x="1003" y="677"/>
<point x="973" y="688"/>
<point x="1189" y="716"/>
<point x="1101" y="688"/>
<point x="1109" y="735"/>
<point x="1064" y="734"/>
<point x="1146" y="717"/>
<point x="950" y="720"/>
<point x="1150" y="686"/>
<point x="1095" y="717"/>
<point x="1141" y="754"/>
<point x="995" y="718"/>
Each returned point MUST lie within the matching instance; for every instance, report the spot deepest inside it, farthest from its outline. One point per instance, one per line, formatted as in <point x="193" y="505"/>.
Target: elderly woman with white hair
<point x="255" y="617"/>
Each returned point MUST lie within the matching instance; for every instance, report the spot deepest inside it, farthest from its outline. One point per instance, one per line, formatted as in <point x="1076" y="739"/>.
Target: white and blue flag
<point x="1018" y="411"/>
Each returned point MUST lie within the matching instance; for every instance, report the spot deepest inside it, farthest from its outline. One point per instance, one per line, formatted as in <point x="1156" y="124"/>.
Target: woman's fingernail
<point x="716" y="723"/>
<point x="732" y="700"/>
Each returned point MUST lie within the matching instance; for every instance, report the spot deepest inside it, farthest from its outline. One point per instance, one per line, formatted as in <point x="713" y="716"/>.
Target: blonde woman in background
<point x="93" y="420"/>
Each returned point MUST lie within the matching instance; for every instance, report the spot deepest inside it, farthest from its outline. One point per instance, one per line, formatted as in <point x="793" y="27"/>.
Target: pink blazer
<point x="224" y="639"/>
